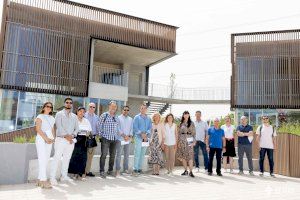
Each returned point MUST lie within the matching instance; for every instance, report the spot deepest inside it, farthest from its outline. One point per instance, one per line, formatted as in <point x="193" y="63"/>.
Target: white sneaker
<point x="66" y="179"/>
<point x="197" y="169"/>
<point x="231" y="171"/>
<point x="53" y="182"/>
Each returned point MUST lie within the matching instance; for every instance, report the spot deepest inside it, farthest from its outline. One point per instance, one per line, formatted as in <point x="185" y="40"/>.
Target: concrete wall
<point x="136" y="79"/>
<point x="106" y="91"/>
<point x="14" y="162"/>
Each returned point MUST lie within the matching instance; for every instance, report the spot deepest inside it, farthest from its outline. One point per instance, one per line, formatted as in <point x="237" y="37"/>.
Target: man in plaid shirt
<point x="109" y="124"/>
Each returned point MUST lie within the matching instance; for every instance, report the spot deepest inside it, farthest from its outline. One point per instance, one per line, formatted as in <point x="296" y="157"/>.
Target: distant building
<point x="266" y="74"/>
<point x="52" y="49"/>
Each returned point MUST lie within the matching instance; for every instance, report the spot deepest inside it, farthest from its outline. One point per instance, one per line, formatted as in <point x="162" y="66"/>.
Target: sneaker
<point x="231" y="171"/>
<point x="272" y="175"/>
<point x="225" y="170"/>
<point x="110" y="173"/>
<point x="135" y="173"/>
<point x="191" y="175"/>
<point x="209" y="173"/>
<point x="251" y="174"/>
<point x="53" y="182"/>
<point x="185" y="173"/>
<point x="197" y="169"/>
<point x="125" y="172"/>
<point x="261" y="174"/>
<point x="140" y="172"/>
<point x="219" y="174"/>
<point x="90" y="174"/>
<point x="102" y="175"/>
<point x="241" y="173"/>
<point x="66" y="179"/>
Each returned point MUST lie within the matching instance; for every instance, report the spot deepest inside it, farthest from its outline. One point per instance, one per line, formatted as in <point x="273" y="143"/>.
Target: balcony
<point x="108" y="83"/>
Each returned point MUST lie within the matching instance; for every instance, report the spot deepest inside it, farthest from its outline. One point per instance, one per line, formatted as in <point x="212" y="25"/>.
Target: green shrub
<point x="292" y="128"/>
<point x="31" y="140"/>
<point x="20" y="139"/>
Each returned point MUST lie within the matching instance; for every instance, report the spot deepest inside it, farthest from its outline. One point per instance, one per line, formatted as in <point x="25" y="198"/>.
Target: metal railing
<point x="109" y="76"/>
<point x="205" y="93"/>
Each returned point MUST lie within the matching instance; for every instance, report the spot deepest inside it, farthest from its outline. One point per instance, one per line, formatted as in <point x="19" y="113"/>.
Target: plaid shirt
<point x="109" y="126"/>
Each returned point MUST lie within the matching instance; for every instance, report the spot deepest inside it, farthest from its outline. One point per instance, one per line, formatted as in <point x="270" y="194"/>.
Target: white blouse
<point x="170" y="134"/>
<point x="84" y="126"/>
<point x="228" y="130"/>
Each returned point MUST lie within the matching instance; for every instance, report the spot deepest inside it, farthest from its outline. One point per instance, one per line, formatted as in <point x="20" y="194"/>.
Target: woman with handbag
<point x="44" y="140"/>
<point x="79" y="156"/>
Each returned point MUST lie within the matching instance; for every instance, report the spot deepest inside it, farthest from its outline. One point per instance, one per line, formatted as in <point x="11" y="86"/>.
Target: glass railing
<point x="108" y="75"/>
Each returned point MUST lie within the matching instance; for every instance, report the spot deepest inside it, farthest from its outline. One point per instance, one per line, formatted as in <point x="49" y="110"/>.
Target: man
<point x="215" y="143"/>
<point x="266" y="134"/>
<point x="66" y="130"/>
<point x="141" y="130"/>
<point x="245" y="137"/>
<point x="201" y="133"/>
<point x="94" y="121"/>
<point x="109" y="132"/>
<point x="126" y="133"/>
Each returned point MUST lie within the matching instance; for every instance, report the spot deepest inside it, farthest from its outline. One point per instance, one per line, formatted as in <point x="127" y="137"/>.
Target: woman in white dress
<point x="44" y="140"/>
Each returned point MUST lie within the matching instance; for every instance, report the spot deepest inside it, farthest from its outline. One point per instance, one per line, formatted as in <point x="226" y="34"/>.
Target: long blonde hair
<point x="154" y="115"/>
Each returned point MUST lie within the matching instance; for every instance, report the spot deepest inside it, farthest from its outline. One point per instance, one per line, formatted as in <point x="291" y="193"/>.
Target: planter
<point x="15" y="162"/>
<point x="294" y="155"/>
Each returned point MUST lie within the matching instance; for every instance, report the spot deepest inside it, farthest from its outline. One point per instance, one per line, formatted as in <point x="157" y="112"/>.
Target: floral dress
<point x="185" y="151"/>
<point x="156" y="156"/>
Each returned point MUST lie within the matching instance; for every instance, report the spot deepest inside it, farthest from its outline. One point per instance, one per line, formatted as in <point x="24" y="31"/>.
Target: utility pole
<point x="172" y="87"/>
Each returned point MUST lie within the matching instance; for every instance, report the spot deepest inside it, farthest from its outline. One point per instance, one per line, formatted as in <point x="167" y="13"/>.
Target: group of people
<point x="74" y="139"/>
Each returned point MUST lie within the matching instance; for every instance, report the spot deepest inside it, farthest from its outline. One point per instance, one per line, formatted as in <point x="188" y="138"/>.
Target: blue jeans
<point x="202" y="145"/>
<point x="262" y="154"/>
<point x="119" y="149"/>
<point x="139" y="153"/>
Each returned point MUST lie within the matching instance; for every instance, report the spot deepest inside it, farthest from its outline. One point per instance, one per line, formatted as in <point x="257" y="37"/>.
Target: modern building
<point x="52" y="49"/>
<point x="266" y="75"/>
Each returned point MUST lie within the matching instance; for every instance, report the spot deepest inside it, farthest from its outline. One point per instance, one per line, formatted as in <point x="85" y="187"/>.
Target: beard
<point x="68" y="108"/>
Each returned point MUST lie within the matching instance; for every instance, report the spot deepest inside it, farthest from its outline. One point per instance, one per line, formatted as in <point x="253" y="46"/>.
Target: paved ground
<point x="229" y="187"/>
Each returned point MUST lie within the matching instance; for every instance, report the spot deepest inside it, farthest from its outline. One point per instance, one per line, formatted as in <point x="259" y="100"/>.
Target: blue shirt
<point x="244" y="129"/>
<point x="216" y="137"/>
<point x="141" y="124"/>
<point x="125" y="126"/>
<point x="109" y="126"/>
<point x="94" y="121"/>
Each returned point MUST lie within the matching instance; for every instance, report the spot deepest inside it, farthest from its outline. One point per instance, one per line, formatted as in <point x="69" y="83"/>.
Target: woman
<point x="186" y="143"/>
<point x="230" y="149"/>
<point x="44" y="140"/>
<point x="79" y="156"/>
<point x="156" y="144"/>
<point x="171" y="137"/>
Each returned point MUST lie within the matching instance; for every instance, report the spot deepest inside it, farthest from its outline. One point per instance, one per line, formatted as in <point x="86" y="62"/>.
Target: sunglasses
<point x="49" y="107"/>
<point x="69" y="102"/>
<point x="126" y="110"/>
<point x="265" y="118"/>
<point x="92" y="107"/>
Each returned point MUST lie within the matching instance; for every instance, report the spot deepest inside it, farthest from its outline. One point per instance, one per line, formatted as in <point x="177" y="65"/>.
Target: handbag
<point x="90" y="141"/>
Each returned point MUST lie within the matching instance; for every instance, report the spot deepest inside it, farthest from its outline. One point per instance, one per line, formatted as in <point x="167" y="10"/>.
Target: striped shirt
<point x="109" y="126"/>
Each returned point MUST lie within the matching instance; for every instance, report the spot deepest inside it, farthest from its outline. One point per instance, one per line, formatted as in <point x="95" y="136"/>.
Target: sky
<point x="203" y="37"/>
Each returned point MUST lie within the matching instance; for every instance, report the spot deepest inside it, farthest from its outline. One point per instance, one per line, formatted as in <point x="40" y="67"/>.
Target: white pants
<point x="63" y="149"/>
<point x="43" y="152"/>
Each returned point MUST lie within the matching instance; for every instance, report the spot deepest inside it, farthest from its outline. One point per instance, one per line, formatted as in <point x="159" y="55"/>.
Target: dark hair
<point x="198" y="111"/>
<point x="112" y="102"/>
<point x="143" y="104"/>
<point x="44" y="105"/>
<point x="189" y="122"/>
<point x="168" y="115"/>
<point x="68" y="98"/>
<point x="80" y="108"/>
<point x="125" y="107"/>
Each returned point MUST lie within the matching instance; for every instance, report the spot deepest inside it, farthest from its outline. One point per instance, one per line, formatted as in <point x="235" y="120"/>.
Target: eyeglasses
<point x="49" y="107"/>
<point x="92" y="107"/>
<point x="126" y="110"/>
<point x="69" y="102"/>
<point x="265" y="118"/>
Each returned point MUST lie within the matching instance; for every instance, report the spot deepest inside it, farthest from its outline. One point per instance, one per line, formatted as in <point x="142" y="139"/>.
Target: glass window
<point x="77" y="102"/>
<point x="8" y="110"/>
<point x="92" y="100"/>
<point x="26" y="110"/>
<point x="103" y="106"/>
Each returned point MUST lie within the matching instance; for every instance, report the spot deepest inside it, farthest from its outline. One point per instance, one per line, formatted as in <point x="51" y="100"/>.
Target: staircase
<point x="154" y="107"/>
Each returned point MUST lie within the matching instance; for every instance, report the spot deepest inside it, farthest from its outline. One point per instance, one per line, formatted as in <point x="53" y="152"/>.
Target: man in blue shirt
<point x="245" y="137"/>
<point x="141" y="130"/>
<point x="215" y="142"/>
